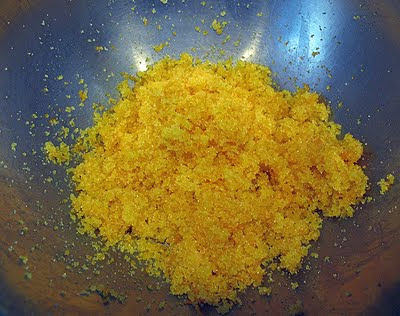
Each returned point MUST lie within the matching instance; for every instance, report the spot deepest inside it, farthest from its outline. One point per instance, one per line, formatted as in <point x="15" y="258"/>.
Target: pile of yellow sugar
<point x="212" y="177"/>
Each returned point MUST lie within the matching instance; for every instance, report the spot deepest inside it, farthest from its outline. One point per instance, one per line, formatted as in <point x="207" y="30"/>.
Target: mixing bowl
<point x="347" y="50"/>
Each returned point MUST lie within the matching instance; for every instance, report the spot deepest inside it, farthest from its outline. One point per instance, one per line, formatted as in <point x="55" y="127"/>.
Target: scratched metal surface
<point x="349" y="51"/>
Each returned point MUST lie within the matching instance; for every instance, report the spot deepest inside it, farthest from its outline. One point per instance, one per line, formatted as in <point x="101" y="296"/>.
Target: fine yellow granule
<point x="264" y="290"/>
<point x="386" y="184"/>
<point x="158" y="48"/>
<point x="218" y="27"/>
<point x="83" y="95"/>
<point x="57" y="154"/>
<point x="209" y="175"/>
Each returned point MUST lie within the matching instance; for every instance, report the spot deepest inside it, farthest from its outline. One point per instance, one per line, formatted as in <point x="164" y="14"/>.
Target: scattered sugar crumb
<point x="158" y="48"/>
<point x="386" y="184"/>
<point x="263" y="290"/>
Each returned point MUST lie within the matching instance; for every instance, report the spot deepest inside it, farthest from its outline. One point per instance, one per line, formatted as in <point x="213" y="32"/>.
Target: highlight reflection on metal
<point x="349" y="51"/>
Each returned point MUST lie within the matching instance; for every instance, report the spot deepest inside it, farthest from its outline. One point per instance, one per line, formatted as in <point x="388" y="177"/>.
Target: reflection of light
<point x="315" y="45"/>
<point x="140" y="62"/>
<point x="248" y="53"/>
<point x="304" y="36"/>
<point x="252" y="49"/>
<point x="140" y="58"/>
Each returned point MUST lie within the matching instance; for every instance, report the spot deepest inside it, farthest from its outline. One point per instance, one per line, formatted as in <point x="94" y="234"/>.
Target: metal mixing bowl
<point x="347" y="50"/>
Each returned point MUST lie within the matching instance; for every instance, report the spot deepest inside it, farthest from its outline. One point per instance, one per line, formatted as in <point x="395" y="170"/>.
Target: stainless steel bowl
<point x="347" y="50"/>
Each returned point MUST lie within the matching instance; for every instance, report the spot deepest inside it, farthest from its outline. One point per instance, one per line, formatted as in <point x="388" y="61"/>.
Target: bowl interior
<point x="348" y="51"/>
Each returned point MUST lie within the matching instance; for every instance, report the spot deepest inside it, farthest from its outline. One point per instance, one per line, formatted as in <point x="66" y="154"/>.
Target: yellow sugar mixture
<point x="211" y="176"/>
<point x="386" y="184"/>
